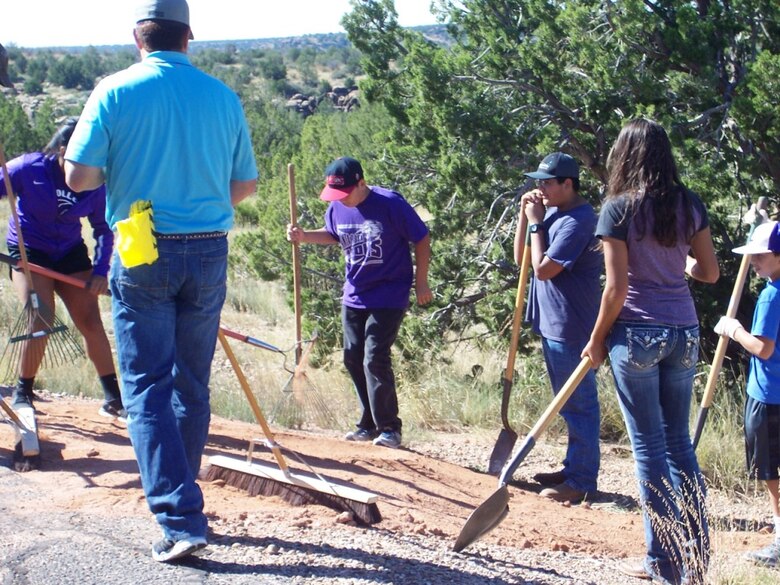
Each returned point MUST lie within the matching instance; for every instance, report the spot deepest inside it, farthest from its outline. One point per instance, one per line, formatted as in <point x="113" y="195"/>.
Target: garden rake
<point x="29" y="339"/>
<point x="301" y="401"/>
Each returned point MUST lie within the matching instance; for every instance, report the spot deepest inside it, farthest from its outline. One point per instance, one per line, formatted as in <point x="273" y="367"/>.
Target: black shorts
<point x="76" y="260"/>
<point x="762" y="439"/>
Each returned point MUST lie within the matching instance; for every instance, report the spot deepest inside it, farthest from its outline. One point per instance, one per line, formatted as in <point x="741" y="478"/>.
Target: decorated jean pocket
<point x="691" y="353"/>
<point x="646" y="345"/>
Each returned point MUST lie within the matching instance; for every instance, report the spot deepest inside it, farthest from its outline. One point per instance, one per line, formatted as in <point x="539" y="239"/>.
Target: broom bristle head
<point x="295" y="495"/>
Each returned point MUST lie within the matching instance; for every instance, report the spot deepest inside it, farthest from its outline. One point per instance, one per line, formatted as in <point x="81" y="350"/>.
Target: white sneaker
<point x="112" y="410"/>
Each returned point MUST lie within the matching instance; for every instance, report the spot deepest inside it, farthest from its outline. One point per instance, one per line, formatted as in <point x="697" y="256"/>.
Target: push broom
<point x="26" y="349"/>
<point x="295" y="488"/>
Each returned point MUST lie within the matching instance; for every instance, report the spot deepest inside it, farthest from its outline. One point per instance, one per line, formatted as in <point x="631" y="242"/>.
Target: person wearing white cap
<point x="172" y="137"/>
<point x="762" y="405"/>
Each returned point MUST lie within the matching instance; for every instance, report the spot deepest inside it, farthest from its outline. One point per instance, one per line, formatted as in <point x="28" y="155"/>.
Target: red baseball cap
<point x="341" y="178"/>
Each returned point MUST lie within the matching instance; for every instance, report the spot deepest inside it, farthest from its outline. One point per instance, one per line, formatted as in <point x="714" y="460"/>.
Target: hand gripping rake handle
<point x="723" y="341"/>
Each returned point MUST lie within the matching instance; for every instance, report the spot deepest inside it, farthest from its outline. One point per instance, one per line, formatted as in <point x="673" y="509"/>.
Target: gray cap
<point x="556" y="166"/>
<point x="173" y="10"/>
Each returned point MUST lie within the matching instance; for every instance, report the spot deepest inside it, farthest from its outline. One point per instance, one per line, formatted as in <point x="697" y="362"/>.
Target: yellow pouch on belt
<point x="136" y="243"/>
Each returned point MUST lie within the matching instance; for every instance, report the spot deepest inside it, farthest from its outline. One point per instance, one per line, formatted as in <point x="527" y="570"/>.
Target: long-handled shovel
<point x="492" y="511"/>
<point x="723" y="342"/>
<point x="508" y="437"/>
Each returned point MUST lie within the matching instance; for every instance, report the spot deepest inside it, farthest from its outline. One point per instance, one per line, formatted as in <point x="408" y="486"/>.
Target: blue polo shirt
<point x="167" y="132"/>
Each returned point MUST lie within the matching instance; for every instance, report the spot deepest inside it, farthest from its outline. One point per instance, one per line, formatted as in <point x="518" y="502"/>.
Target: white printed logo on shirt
<point x="65" y="200"/>
<point x="362" y="243"/>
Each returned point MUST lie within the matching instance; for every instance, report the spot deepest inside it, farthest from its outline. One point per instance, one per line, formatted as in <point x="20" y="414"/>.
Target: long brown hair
<point x="641" y="167"/>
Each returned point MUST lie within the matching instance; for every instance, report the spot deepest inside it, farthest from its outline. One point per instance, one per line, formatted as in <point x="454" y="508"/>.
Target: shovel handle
<point x="517" y="318"/>
<point x="723" y="342"/>
<point x="544" y="421"/>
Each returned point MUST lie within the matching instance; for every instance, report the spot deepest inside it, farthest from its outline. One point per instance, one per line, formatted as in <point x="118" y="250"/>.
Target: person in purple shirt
<point x="50" y="217"/>
<point x="374" y="227"/>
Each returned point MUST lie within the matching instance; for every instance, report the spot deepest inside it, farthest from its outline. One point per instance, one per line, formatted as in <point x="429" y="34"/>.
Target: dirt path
<point x="426" y="493"/>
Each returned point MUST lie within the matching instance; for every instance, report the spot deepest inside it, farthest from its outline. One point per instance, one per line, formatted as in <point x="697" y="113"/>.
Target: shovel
<point x="723" y="341"/>
<point x="492" y="511"/>
<point x="508" y="437"/>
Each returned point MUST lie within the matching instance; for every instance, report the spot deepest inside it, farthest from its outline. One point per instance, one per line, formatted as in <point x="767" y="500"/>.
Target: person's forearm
<point x="612" y="300"/>
<point x="320" y="236"/>
<point x="422" y="259"/>
<point x="760" y="347"/>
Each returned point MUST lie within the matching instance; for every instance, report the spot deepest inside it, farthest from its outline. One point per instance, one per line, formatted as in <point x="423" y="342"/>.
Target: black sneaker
<point x="169" y="550"/>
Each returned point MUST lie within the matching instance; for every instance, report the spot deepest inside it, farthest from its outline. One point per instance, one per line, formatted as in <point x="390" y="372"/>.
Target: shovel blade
<point x="501" y="451"/>
<point x="485" y="518"/>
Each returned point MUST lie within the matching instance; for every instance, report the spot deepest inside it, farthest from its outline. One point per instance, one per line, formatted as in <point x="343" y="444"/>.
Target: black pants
<point x="369" y="335"/>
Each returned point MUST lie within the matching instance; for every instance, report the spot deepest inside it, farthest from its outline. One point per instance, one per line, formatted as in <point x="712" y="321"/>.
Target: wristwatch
<point x="536" y="227"/>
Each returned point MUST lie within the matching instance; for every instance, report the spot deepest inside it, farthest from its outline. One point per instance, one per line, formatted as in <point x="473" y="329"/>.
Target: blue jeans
<point x="581" y="413"/>
<point x="369" y="335"/>
<point x="654" y="366"/>
<point x="166" y="317"/>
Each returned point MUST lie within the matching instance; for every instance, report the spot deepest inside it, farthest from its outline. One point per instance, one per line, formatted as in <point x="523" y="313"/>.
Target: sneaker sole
<point x="182" y="548"/>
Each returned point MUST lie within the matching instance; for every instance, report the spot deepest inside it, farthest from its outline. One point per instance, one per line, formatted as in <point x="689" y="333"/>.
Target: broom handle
<point x="17" y="224"/>
<point x="253" y="403"/>
<point x="296" y="259"/>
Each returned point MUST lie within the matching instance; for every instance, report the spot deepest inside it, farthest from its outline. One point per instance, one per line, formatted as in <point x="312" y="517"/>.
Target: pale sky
<point x="48" y="23"/>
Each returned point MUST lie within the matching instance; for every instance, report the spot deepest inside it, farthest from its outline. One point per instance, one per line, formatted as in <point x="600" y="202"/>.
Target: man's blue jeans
<point x="369" y="335"/>
<point x="581" y="413"/>
<point x="654" y="366"/>
<point x="166" y="317"/>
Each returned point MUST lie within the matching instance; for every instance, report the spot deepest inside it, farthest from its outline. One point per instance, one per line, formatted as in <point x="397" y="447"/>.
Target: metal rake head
<point x="39" y="339"/>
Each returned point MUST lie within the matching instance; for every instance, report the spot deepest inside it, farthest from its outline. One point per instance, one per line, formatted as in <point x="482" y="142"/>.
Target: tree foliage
<point x="526" y="77"/>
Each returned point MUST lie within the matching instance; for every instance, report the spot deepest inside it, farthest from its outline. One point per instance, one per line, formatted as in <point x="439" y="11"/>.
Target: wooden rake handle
<point x="17" y="224"/>
<point x="296" y="260"/>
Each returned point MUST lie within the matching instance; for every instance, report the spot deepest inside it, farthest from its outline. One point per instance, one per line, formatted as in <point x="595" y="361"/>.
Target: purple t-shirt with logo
<point x="375" y="237"/>
<point x="50" y="212"/>
<point x="657" y="289"/>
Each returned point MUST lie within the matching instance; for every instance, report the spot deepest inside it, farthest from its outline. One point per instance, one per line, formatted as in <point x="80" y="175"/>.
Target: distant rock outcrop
<point x="342" y="98"/>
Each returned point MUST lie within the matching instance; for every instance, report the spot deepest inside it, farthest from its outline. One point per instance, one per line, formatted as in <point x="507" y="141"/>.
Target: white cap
<point x="765" y="238"/>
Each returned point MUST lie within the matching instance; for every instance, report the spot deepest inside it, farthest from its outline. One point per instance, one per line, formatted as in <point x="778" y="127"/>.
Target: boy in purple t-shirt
<point x="762" y="406"/>
<point x="374" y="227"/>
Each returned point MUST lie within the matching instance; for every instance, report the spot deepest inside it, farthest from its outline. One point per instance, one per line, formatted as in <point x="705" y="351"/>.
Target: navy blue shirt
<point x="564" y="308"/>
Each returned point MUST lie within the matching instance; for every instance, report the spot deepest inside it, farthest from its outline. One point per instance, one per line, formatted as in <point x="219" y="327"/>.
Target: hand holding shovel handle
<point x="720" y="350"/>
<point x="492" y="511"/>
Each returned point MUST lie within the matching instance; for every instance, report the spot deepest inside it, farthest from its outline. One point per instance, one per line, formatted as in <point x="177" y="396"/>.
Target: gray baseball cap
<point x="173" y="10"/>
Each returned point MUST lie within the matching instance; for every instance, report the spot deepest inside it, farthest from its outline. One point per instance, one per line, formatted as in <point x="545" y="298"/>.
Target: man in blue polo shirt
<point x="164" y="132"/>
